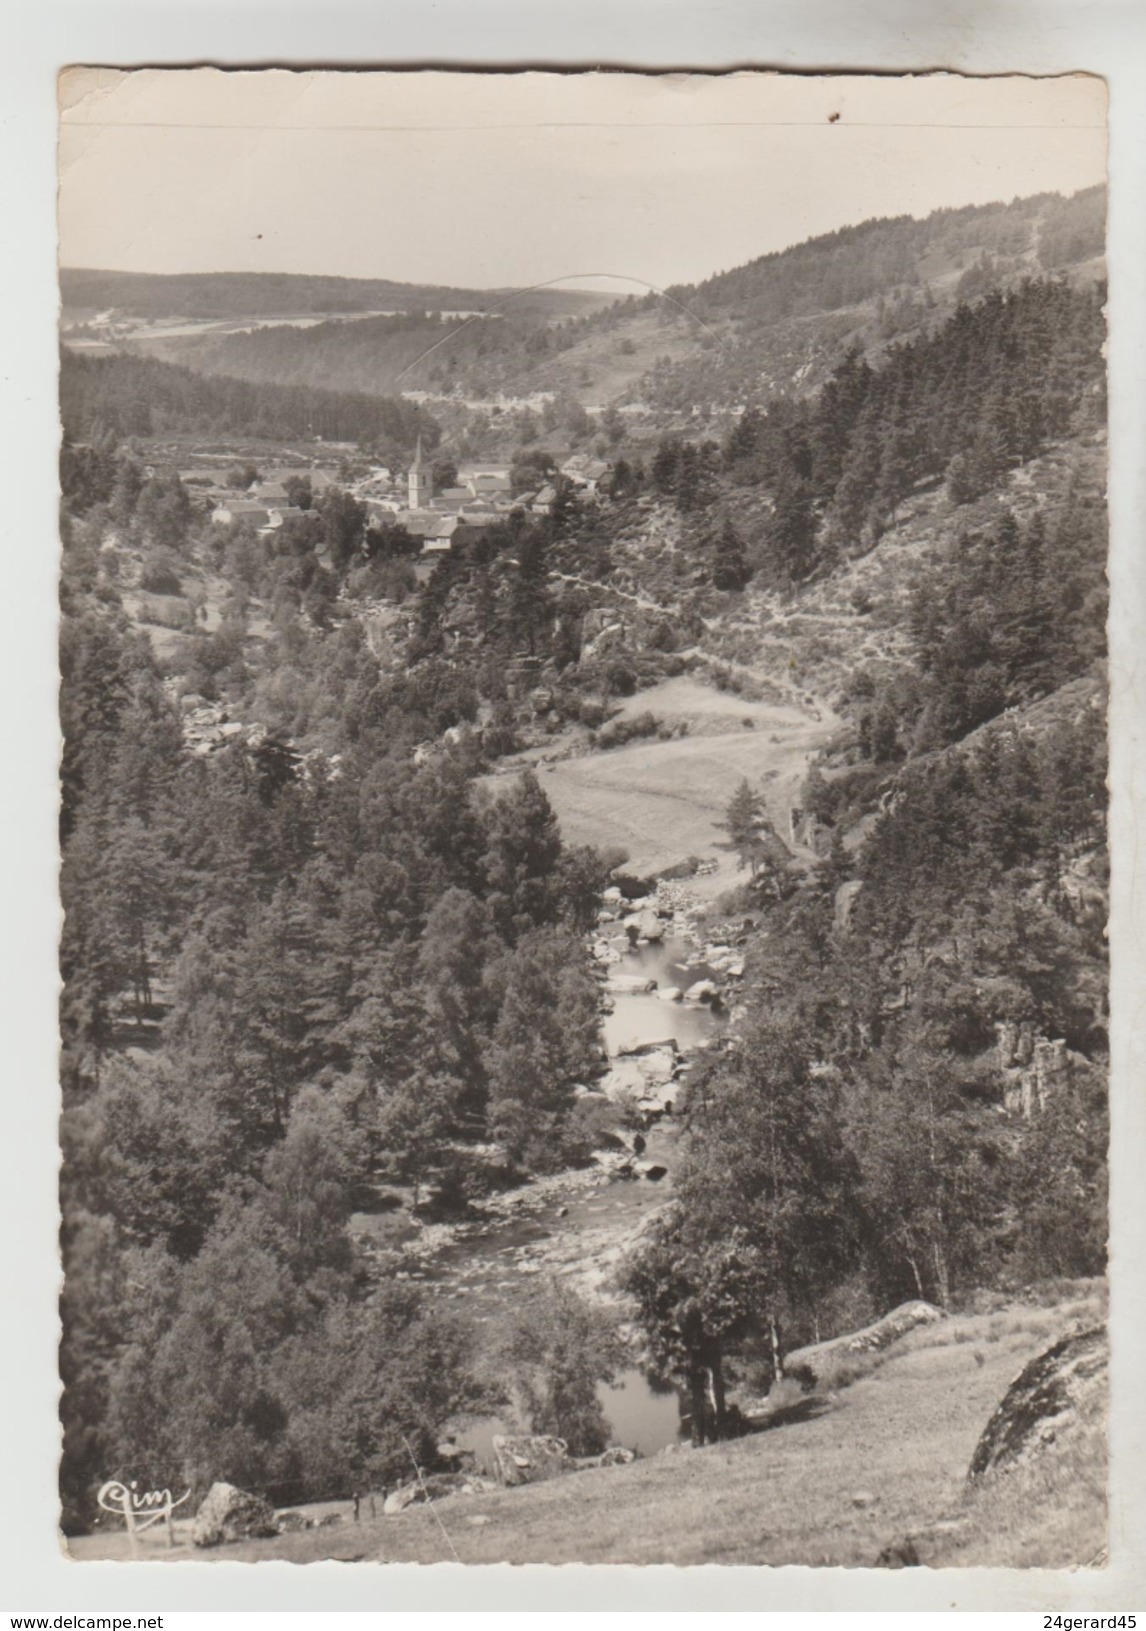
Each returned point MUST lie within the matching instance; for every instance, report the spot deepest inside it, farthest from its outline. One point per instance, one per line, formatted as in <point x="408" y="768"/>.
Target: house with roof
<point x="241" y="509"/>
<point x="585" y="473"/>
<point x="418" y="523"/>
<point x="452" y="498"/>
<point x="443" y="532"/>
<point x="271" y="493"/>
<point x="485" y="480"/>
<point x="543" y="500"/>
<point x="384" y="509"/>
<point x="479" y="513"/>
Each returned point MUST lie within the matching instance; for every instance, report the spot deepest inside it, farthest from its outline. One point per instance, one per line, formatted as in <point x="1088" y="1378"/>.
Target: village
<point x="480" y="496"/>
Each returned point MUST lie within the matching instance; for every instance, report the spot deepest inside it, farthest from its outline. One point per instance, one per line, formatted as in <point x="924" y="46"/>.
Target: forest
<point x="319" y="960"/>
<point x="846" y="267"/>
<point x="129" y="396"/>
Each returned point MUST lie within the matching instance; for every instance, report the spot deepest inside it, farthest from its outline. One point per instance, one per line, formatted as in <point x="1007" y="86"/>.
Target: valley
<point x="585" y="876"/>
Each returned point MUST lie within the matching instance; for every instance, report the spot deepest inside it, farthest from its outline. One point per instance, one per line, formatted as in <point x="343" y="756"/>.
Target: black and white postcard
<point x="585" y="1022"/>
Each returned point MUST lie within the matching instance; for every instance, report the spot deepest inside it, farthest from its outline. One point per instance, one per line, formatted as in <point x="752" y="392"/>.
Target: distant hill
<point x="778" y="323"/>
<point x="283" y="294"/>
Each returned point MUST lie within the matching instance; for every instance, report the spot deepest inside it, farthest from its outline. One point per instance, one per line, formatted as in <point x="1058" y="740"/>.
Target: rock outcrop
<point x="812" y="1362"/>
<point x="529" y="1458"/>
<point x="434" y="1486"/>
<point x="228" y="1514"/>
<point x="845" y="899"/>
<point x="1045" y="1399"/>
<point x="615" y="1456"/>
<point x="1033" y="1068"/>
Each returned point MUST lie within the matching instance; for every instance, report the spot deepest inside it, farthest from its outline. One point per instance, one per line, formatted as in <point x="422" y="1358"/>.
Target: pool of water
<point x="636" y="1020"/>
<point x="644" y="1416"/>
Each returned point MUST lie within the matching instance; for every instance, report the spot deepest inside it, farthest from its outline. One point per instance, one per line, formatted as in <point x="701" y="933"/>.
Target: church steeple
<point x="419" y="480"/>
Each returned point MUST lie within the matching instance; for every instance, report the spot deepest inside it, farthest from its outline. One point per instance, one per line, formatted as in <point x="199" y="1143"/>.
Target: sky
<point x="505" y="180"/>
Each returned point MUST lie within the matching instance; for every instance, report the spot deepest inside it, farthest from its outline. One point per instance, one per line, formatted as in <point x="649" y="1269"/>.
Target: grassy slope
<point x="661" y="801"/>
<point x="900" y="1438"/>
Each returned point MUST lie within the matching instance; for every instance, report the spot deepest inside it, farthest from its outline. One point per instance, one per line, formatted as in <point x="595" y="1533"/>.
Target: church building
<point x="420" y="481"/>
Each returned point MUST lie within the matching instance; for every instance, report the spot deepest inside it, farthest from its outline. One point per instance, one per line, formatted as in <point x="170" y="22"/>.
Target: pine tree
<point x="522" y="849"/>
<point x="730" y="562"/>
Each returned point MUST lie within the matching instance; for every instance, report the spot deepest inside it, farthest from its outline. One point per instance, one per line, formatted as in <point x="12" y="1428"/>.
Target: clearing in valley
<point x="663" y="801"/>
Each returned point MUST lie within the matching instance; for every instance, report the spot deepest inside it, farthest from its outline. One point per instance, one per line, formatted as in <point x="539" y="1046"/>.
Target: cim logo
<point x="139" y="1511"/>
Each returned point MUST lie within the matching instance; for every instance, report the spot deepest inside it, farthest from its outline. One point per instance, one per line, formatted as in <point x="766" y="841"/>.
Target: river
<point x="581" y="1233"/>
<point x="635" y="1021"/>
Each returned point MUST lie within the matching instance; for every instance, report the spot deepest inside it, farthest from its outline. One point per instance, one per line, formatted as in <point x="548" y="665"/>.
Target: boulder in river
<point x="630" y="985"/>
<point x="657" y="1063"/>
<point x="650" y="927"/>
<point x="702" y="991"/>
<point x="625" y="1080"/>
<point x="229" y="1513"/>
<point x="658" y="1101"/>
<point x="616" y="1163"/>
<point x="670" y="993"/>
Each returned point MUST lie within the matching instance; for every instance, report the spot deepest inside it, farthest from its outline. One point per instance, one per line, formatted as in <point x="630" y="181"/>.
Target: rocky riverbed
<point x="668" y="997"/>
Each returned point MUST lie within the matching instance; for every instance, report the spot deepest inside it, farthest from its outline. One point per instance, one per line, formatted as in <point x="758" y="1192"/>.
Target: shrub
<point x="160" y="578"/>
<point x="620" y="731"/>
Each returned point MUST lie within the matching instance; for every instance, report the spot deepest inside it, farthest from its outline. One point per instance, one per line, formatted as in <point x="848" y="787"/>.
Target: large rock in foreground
<point x="1047" y="1397"/>
<point x="230" y="1514"/>
<point x="530" y="1458"/>
<point x="813" y="1361"/>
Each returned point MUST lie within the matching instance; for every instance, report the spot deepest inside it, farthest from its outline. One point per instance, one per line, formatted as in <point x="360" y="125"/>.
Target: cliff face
<point x="1032" y="1068"/>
